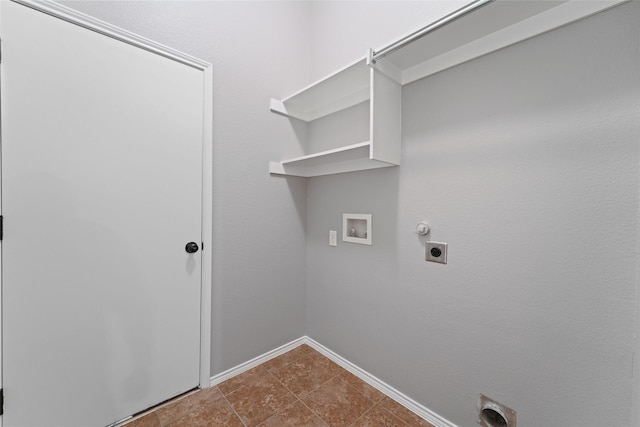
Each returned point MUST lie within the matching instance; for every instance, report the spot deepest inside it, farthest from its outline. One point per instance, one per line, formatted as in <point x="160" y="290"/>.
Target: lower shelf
<point x="344" y="159"/>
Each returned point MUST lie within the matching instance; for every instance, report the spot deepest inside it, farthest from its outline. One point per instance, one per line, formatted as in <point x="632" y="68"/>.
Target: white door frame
<point x="77" y="18"/>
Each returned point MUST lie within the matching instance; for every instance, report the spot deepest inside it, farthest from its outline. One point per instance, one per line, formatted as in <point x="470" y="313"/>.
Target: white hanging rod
<point x="428" y="29"/>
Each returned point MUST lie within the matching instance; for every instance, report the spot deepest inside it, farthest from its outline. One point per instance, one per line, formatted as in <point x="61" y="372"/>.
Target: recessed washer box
<point x="356" y="228"/>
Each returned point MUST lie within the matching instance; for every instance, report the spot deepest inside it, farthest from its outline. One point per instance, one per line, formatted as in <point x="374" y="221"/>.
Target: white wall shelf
<point x="345" y="159"/>
<point x="342" y="89"/>
<point x="378" y="79"/>
<point x="352" y="85"/>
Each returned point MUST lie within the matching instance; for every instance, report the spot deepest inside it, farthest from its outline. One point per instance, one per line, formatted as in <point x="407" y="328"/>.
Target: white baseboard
<point x="243" y="367"/>
<point x="386" y="389"/>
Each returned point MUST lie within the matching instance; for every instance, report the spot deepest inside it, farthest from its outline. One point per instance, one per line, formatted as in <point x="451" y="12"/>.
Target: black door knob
<point x="191" y="247"/>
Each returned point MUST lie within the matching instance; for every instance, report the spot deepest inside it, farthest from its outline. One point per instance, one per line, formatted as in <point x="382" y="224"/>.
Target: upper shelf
<point x="491" y="26"/>
<point x="342" y="89"/>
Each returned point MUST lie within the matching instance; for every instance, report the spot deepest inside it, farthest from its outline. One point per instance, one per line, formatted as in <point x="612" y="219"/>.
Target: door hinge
<point x="1" y="401"/>
<point x="1" y="227"/>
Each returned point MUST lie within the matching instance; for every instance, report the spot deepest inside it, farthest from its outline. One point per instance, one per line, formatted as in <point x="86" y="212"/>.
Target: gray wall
<point x="342" y="31"/>
<point x="526" y="162"/>
<point x="257" y="52"/>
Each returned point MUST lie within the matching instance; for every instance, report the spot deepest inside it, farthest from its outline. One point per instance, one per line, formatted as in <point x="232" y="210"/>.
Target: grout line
<point x="224" y="396"/>
<point x="312" y="411"/>
<point x="267" y="372"/>
<point x="285" y="387"/>
<point x="307" y="392"/>
<point x="375" y="403"/>
<point x="311" y="391"/>
<point x="363" y="414"/>
<point x="339" y="377"/>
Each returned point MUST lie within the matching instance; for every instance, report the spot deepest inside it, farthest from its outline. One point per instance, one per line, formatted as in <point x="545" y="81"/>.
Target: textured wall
<point x="343" y="31"/>
<point x="526" y="162"/>
<point x="257" y="52"/>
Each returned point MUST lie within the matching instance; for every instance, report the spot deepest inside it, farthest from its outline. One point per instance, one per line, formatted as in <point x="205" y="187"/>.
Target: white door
<point x="101" y="190"/>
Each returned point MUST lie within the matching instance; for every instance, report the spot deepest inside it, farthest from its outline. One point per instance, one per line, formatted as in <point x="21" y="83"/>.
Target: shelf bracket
<point x="385" y="67"/>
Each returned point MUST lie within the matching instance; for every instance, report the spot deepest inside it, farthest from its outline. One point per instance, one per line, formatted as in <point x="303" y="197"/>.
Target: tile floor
<point x="299" y="388"/>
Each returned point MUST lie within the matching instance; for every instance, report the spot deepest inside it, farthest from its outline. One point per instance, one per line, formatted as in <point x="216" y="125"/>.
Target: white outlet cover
<point x="333" y="238"/>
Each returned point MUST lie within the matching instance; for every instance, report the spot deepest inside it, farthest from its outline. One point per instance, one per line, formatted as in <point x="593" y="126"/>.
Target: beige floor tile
<point x="307" y="373"/>
<point x="149" y="420"/>
<point x="403" y="413"/>
<point x="286" y="358"/>
<point x="260" y="399"/>
<point x="364" y="388"/>
<point x="214" y="414"/>
<point x="241" y="380"/>
<point x="379" y="417"/>
<point x="296" y="415"/>
<point x="337" y="403"/>
<point x="187" y="404"/>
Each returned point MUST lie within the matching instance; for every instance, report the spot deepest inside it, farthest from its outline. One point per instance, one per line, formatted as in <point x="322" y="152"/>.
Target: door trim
<point x="70" y="15"/>
<point x="78" y="18"/>
<point x="207" y="230"/>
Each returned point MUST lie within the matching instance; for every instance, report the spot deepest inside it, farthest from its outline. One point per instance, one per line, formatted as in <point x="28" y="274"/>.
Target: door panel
<point x="101" y="187"/>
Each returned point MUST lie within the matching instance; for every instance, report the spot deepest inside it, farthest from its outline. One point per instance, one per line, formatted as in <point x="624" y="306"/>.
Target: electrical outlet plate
<point x="333" y="238"/>
<point x="436" y="252"/>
